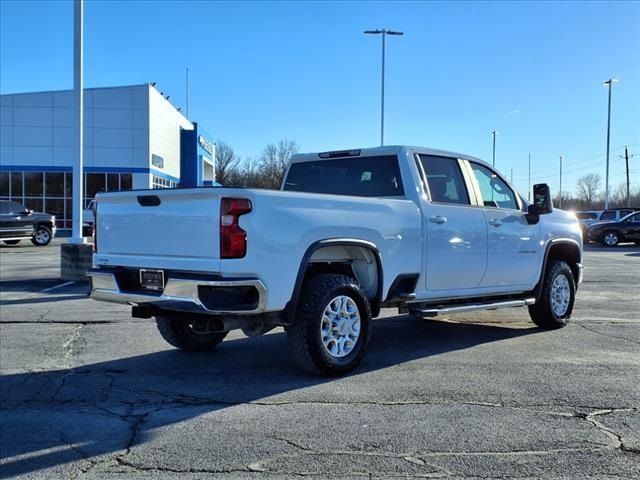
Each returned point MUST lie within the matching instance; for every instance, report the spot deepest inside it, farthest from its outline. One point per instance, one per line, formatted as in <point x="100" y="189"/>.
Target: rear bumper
<point x="182" y="293"/>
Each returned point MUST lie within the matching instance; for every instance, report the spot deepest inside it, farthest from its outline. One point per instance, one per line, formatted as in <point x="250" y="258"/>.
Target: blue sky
<point x="264" y="71"/>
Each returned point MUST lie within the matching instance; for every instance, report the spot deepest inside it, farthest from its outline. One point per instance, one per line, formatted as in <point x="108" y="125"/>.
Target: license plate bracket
<point x="152" y="280"/>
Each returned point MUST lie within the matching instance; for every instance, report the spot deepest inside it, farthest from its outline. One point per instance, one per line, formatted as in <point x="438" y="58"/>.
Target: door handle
<point x="495" y="222"/>
<point x="438" y="219"/>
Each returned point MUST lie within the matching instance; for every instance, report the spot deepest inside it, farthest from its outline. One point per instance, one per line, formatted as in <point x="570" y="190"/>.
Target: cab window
<point x="495" y="192"/>
<point x="444" y="178"/>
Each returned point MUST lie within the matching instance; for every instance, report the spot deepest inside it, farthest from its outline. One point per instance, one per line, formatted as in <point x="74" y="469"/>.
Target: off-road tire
<point x="11" y="242"/>
<point x="604" y="235"/>
<point x="178" y="332"/>
<point x="304" y="336"/>
<point x="542" y="312"/>
<point x="42" y="237"/>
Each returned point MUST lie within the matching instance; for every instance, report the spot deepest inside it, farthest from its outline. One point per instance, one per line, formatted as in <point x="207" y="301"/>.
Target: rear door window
<point x="377" y="176"/>
<point x="444" y="179"/>
<point x="608" y="215"/>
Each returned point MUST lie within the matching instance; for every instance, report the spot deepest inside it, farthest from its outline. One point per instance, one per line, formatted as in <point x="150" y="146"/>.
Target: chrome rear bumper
<point x="179" y="293"/>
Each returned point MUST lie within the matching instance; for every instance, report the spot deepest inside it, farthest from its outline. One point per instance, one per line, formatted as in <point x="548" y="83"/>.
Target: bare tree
<point x="588" y="186"/>
<point x="274" y="162"/>
<point x="226" y="162"/>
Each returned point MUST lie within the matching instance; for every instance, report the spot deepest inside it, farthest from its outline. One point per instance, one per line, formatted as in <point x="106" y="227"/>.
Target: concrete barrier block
<point x="75" y="260"/>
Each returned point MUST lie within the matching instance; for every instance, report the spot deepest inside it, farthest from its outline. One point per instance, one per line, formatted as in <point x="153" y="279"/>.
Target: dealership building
<point x="134" y="138"/>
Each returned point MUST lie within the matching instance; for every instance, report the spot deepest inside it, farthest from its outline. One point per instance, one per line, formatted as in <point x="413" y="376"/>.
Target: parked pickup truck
<point x="350" y="232"/>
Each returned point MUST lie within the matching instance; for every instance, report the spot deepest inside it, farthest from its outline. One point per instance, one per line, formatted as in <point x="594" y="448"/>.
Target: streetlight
<point x="609" y="82"/>
<point x="493" y="134"/>
<point x="384" y="33"/>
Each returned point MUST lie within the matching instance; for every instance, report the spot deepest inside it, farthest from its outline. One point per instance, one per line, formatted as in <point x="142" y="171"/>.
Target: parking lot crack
<point x="163" y="468"/>
<point x="616" y="440"/>
<point x="607" y="334"/>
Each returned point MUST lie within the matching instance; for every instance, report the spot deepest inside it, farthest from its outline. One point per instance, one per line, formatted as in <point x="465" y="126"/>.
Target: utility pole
<point x="529" y="197"/>
<point x="512" y="176"/>
<point x="626" y="159"/>
<point x="609" y="82"/>
<point x="493" y="134"/>
<point x="560" y="202"/>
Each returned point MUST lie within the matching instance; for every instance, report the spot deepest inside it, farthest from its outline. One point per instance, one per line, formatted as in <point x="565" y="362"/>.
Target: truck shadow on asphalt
<point x="55" y="417"/>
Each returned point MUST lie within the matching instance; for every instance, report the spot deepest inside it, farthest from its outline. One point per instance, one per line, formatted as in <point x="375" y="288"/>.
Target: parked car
<point x="350" y="232"/>
<point x="19" y="223"/>
<point x="586" y="218"/>
<point x="610" y="234"/>
<point x="87" y="213"/>
<point x="615" y="214"/>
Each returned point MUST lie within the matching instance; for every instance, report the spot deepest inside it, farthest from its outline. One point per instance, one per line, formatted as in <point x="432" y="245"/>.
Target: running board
<point x="435" y="311"/>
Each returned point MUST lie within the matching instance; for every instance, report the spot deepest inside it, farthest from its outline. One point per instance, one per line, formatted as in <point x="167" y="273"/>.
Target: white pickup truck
<point x="350" y="232"/>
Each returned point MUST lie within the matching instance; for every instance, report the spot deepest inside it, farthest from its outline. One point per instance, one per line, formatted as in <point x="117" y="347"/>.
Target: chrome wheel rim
<point x="42" y="236"/>
<point x="340" y="326"/>
<point x="560" y="295"/>
<point x="611" y="239"/>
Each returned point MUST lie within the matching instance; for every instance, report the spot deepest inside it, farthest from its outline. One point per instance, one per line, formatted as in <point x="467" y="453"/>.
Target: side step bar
<point x="472" y="307"/>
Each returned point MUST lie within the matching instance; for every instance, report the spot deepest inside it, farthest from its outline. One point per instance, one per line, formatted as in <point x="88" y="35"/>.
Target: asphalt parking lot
<point x="88" y="392"/>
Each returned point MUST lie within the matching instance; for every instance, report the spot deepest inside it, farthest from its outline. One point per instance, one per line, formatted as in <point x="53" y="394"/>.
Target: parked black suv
<point x="19" y="223"/>
<point x="610" y="234"/>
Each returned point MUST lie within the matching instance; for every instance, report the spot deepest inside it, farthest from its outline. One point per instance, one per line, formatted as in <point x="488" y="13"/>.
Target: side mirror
<point x="542" y="203"/>
<point x="542" y="198"/>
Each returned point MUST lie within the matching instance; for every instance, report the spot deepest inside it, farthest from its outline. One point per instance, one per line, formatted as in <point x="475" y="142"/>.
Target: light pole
<point x="384" y="32"/>
<point x="493" y="135"/>
<point x="560" y="202"/>
<point x="609" y="82"/>
<point x="78" y="104"/>
<point x="529" y="195"/>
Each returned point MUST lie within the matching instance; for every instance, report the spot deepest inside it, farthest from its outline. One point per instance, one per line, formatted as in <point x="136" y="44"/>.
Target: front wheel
<point x="185" y="334"/>
<point x="553" y="308"/>
<point x="42" y="236"/>
<point x="332" y="326"/>
<point x="610" y="239"/>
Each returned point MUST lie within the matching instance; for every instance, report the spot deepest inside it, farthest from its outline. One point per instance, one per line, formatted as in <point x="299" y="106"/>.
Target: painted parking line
<point x="55" y="287"/>
<point x="11" y="298"/>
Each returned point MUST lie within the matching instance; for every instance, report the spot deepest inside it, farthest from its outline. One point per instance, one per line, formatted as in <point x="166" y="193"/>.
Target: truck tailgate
<point x="171" y="229"/>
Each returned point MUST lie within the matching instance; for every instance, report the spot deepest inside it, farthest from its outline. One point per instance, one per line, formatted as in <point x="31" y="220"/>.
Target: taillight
<point x="233" y="240"/>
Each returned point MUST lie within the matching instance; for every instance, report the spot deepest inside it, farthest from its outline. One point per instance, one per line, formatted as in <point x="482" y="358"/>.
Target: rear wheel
<point x="610" y="238"/>
<point x="186" y="334"/>
<point x="11" y="242"/>
<point x="332" y="326"/>
<point x="42" y="236"/>
<point x="553" y="308"/>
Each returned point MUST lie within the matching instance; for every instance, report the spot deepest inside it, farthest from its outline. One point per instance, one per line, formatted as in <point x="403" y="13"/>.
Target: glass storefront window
<point x="68" y="185"/>
<point x="33" y="184"/>
<point x="52" y="192"/>
<point x="55" y="206"/>
<point x="4" y="184"/>
<point x="95" y="184"/>
<point x="113" y="182"/>
<point x="126" y="182"/>
<point x="34" y="204"/>
<point x="16" y="184"/>
<point x="54" y="184"/>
